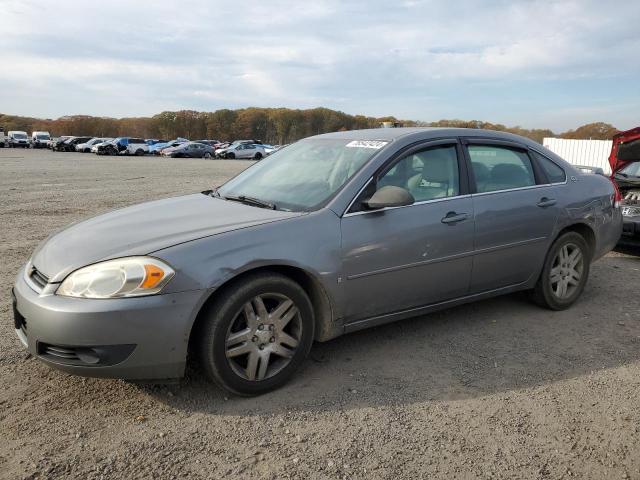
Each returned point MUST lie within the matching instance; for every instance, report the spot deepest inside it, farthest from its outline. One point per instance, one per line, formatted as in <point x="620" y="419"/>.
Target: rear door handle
<point x="453" y="217"/>
<point x="546" y="202"/>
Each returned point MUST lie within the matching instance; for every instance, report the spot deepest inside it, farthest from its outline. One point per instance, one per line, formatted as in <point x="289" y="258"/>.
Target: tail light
<point x="616" y="198"/>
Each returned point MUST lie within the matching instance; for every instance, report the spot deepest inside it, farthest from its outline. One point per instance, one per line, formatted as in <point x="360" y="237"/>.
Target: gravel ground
<point x="496" y="389"/>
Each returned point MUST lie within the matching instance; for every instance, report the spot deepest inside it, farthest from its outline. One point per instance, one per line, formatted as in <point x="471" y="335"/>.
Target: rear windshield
<point x="633" y="169"/>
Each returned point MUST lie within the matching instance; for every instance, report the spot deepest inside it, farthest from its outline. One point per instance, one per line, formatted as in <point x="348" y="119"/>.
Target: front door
<point x="398" y="258"/>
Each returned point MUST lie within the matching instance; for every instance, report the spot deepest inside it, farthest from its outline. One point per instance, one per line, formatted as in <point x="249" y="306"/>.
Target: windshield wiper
<point x="256" y="202"/>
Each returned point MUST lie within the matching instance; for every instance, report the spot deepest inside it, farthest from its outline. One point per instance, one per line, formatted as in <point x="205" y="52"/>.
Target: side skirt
<point x="417" y="311"/>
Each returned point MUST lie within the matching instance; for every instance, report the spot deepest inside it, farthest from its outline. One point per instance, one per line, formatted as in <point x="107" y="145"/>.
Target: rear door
<point x="515" y="212"/>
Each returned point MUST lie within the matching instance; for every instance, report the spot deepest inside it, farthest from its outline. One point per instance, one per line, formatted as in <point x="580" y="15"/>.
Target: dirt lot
<point x="497" y="389"/>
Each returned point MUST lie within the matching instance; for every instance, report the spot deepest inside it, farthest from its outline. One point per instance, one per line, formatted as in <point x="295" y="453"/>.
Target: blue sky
<point x="555" y="64"/>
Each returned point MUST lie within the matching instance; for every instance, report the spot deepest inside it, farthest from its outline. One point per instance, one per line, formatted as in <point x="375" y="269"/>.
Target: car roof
<point x="391" y="134"/>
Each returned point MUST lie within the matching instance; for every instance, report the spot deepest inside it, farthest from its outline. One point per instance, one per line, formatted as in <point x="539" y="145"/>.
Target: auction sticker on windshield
<point x="375" y="144"/>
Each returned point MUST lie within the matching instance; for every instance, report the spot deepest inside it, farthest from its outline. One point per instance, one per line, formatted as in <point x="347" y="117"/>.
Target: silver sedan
<point x="333" y="234"/>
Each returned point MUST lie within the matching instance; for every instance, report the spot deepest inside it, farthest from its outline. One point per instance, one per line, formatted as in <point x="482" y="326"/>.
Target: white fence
<point x="592" y="153"/>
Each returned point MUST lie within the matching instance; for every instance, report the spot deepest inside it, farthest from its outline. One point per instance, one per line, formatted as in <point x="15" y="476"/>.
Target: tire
<point x="559" y="266"/>
<point x="230" y="156"/>
<point x="227" y="360"/>
<point x="139" y="152"/>
<point x="207" y="156"/>
<point x="257" y="156"/>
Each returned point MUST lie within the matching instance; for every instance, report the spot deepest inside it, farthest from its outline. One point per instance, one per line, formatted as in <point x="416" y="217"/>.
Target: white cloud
<point x="128" y="58"/>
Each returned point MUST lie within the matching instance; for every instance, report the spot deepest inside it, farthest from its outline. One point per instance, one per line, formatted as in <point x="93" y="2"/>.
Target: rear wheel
<point x="257" y="156"/>
<point x="565" y="272"/>
<point x="256" y="336"/>
<point x="139" y="152"/>
<point x="207" y="156"/>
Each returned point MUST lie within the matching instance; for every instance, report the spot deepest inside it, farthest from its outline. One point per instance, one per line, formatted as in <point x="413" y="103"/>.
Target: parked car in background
<point x="153" y="141"/>
<point x="3" y="139"/>
<point x="331" y="235"/>
<point x="95" y="148"/>
<point x="86" y="146"/>
<point x="69" y="145"/>
<point x="189" y="150"/>
<point x="55" y="142"/>
<point x="18" y="139"/>
<point x="625" y="165"/>
<point x="40" y="139"/>
<point x="211" y="143"/>
<point x="221" y="151"/>
<point x="157" y="147"/>
<point x="124" y="146"/>
<point x="245" y="150"/>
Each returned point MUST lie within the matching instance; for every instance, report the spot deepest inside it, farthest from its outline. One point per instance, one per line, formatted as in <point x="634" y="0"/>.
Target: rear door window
<point x="498" y="168"/>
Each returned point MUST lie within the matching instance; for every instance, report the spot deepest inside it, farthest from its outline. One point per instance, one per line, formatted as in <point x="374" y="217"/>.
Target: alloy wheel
<point x="263" y="337"/>
<point x="566" y="271"/>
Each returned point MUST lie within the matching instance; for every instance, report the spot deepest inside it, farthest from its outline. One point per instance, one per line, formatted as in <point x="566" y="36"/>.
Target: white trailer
<point x="588" y="153"/>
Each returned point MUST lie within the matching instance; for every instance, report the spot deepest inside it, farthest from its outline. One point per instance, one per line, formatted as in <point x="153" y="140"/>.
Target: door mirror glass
<point x="389" y="196"/>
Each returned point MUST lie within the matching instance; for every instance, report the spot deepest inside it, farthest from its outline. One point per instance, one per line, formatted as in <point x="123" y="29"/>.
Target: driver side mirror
<point x="389" y="196"/>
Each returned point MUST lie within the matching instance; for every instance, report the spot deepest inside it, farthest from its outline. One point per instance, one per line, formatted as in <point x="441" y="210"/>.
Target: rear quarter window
<point x="555" y="174"/>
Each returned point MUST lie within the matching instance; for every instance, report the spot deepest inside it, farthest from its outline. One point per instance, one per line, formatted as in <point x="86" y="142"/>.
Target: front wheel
<point x="565" y="272"/>
<point x="257" y="335"/>
<point x="207" y="156"/>
<point x="257" y="156"/>
<point x="230" y="156"/>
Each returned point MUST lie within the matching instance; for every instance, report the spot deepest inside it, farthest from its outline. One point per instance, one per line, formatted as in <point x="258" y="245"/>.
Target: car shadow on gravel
<point x="469" y="351"/>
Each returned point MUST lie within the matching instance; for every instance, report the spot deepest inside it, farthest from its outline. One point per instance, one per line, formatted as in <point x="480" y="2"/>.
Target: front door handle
<point x="453" y="218"/>
<point x="546" y="202"/>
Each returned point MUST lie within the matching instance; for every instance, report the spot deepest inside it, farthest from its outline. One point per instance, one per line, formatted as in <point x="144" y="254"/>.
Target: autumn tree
<point x="594" y="131"/>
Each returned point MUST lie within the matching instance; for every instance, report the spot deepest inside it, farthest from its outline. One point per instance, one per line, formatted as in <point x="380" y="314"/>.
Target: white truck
<point x="18" y="138"/>
<point x="40" y="139"/>
<point x="2" y="138"/>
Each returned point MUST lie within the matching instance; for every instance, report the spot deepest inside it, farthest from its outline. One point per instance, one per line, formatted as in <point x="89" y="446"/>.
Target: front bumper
<point x="630" y="230"/>
<point x="131" y="338"/>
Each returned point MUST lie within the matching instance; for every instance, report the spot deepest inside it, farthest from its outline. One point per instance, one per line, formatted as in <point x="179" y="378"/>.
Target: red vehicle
<point x="625" y="168"/>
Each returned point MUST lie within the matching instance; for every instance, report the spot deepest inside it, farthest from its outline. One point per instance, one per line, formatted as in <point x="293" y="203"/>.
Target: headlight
<point x="125" y="277"/>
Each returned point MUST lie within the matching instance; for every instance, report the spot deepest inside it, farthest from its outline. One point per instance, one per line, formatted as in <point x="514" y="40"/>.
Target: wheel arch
<point x="323" y="308"/>
<point x="585" y="231"/>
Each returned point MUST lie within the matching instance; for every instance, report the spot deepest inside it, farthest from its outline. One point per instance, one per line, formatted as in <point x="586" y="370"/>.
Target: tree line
<point x="271" y="125"/>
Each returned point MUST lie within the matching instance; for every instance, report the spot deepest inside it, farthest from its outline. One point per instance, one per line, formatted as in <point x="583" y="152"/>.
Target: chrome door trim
<point x="415" y="204"/>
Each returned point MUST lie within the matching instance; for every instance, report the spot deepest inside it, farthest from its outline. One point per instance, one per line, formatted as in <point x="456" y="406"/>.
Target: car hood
<point x="143" y="229"/>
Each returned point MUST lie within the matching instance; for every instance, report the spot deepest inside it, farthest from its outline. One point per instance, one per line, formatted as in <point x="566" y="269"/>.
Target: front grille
<point x="630" y="211"/>
<point x="39" y="278"/>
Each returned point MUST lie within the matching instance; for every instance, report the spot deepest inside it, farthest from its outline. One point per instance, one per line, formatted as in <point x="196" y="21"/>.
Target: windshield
<point x="42" y="137"/>
<point x="19" y="135"/>
<point x="632" y="170"/>
<point x="304" y="175"/>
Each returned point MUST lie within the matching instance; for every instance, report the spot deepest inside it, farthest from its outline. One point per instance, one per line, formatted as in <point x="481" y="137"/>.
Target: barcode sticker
<point x="374" y="144"/>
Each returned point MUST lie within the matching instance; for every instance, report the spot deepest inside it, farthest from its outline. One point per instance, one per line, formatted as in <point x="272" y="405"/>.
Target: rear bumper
<point x="131" y="338"/>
